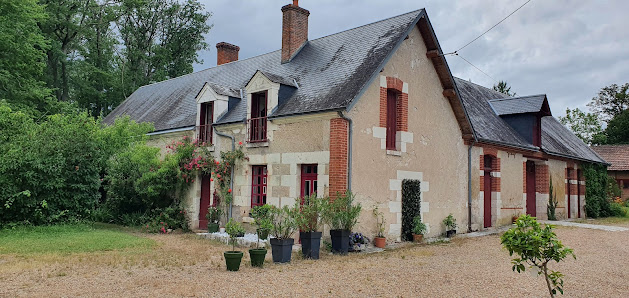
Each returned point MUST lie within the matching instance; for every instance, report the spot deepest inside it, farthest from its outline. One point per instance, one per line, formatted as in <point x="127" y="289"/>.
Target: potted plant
<point x="283" y="227"/>
<point x="308" y="221"/>
<point x="341" y="215"/>
<point x="419" y="228"/>
<point x="357" y="242"/>
<point x="233" y="257"/>
<point x="213" y="216"/>
<point x="450" y="223"/>
<point x="379" y="241"/>
<point x="261" y="216"/>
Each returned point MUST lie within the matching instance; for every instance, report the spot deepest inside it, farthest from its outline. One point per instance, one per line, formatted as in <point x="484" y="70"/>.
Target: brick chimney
<point x="226" y="52"/>
<point x="294" y="29"/>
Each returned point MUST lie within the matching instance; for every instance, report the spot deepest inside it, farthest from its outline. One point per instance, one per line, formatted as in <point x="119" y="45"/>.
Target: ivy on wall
<point x="411" y="204"/>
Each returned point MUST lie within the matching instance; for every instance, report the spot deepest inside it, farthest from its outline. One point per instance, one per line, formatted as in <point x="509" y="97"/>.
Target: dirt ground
<point x="183" y="265"/>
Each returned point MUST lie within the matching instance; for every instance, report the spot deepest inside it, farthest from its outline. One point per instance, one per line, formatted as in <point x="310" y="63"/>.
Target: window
<point x="258" y="186"/>
<point x="625" y="184"/>
<point x="257" y="121"/>
<point x="391" y="118"/>
<point x="204" y="131"/>
<point x="308" y="180"/>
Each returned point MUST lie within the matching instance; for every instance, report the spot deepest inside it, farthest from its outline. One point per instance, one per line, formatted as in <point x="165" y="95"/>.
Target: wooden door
<point x="531" y="204"/>
<point x="569" y="174"/>
<point x="487" y="193"/>
<point x="391" y="119"/>
<point x="258" y="185"/>
<point x="204" y="202"/>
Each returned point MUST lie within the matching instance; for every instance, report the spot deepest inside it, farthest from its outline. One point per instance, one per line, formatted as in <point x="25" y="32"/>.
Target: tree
<point x="536" y="247"/>
<point x="586" y="126"/>
<point x="22" y="55"/>
<point x="504" y="88"/>
<point x="617" y="130"/>
<point x="611" y="101"/>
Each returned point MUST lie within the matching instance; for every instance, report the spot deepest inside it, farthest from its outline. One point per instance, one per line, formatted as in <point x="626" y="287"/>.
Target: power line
<point x="470" y="63"/>
<point x="492" y="27"/>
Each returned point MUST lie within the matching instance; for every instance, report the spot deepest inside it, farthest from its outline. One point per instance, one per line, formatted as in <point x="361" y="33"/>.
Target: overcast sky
<point x="567" y="49"/>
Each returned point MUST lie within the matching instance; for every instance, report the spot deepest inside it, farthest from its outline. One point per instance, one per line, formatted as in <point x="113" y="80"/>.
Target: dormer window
<point x="258" y="118"/>
<point x="204" y="131"/>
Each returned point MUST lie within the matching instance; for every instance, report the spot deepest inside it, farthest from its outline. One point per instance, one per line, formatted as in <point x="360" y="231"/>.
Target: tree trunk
<point x="550" y="289"/>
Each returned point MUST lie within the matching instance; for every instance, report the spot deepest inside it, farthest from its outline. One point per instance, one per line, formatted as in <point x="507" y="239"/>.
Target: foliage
<point x="66" y="239"/>
<point x="616" y="209"/>
<point x="233" y="229"/>
<point x="222" y="172"/>
<point x="174" y="217"/>
<point x="411" y="206"/>
<point x="262" y="216"/>
<point x="611" y="101"/>
<point x="341" y="213"/>
<point x="22" y="56"/>
<point x="587" y="126"/>
<point x="504" y="88"/>
<point x="419" y="228"/>
<point x="617" y="131"/>
<point x="283" y="221"/>
<point x="213" y="214"/>
<point x="536" y="247"/>
<point x="309" y="216"/>
<point x="450" y="222"/>
<point x="357" y="239"/>
<point x="379" y="222"/>
<point x="552" y="201"/>
<point x="598" y="191"/>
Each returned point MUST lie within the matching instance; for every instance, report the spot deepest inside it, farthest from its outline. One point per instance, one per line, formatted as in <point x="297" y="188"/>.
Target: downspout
<point x="469" y="186"/>
<point x="231" y="179"/>
<point x="349" y="149"/>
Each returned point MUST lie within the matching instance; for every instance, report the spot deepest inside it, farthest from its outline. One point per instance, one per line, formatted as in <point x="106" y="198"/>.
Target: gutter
<point x="349" y="149"/>
<point x="231" y="180"/>
<point x="160" y="132"/>
<point x="469" y="186"/>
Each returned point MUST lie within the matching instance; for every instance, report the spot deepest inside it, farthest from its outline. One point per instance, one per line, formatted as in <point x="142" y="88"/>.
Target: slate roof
<point x="616" y="155"/>
<point x="489" y="127"/>
<point x="518" y="105"/>
<point x="330" y="71"/>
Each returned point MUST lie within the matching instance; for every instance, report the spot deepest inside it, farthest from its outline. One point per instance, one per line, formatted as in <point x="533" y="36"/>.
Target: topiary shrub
<point x="411" y="204"/>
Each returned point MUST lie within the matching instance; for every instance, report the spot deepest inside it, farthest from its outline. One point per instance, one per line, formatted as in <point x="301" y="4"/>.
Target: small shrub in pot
<point x="233" y="257"/>
<point x="263" y="225"/>
<point x="308" y="220"/>
<point x="419" y="228"/>
<point x="450" y="223"/>
<point x="341" y="215"/>
<point x="283" y="226"/>
<point x="379" y="241"/>
<point x="213" y="216"/>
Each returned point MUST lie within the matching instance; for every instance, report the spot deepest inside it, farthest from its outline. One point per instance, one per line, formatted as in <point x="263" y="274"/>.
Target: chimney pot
<point x="226" y="52"/>
<point x="294" y="30"/>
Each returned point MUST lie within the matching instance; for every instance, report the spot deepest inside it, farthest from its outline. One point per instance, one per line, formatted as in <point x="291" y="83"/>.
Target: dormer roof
<point x="521" y="105"/>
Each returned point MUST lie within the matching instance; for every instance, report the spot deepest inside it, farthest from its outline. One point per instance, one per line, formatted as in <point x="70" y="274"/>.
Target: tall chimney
<point x="226" y="52"/>
<point x="294" y="29"/>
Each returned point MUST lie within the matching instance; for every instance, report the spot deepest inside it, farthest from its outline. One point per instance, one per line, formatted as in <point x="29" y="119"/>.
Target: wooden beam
<point x="449" y="93"/>
<point x="432" y="54"/>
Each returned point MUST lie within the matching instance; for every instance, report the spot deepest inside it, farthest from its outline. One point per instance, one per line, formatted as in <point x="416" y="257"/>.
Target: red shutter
<point x="391" y="119"/>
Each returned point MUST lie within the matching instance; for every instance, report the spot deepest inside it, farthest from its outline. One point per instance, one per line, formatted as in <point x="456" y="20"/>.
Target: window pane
<point x="314" y="187"/>
<point x="307" y="188"/>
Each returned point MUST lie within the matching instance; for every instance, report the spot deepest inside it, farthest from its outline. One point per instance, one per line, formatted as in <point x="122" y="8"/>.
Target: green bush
<point x="341" y="213"/>
<point x="174" y="217"/>
<point x="411" y="206"/>
<point x="598" y="192"/>
<point x="308" y="217"/>
<point x="617" y="210"/>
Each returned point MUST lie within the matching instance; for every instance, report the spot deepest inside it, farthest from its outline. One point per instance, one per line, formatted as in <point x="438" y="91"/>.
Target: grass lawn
<point x="68" y="239"/>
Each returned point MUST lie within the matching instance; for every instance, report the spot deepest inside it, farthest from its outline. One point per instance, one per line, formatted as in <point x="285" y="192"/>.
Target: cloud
<point x="567" y="49"/>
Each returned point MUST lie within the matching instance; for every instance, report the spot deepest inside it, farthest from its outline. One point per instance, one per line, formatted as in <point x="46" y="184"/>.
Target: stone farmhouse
<point x="364" y="109"/>
<point x="618" y="157"/>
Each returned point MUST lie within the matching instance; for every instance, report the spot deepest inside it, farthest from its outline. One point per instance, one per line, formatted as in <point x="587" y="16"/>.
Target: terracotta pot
<point x="418" y="238"/>
<point x="380" y="242"/>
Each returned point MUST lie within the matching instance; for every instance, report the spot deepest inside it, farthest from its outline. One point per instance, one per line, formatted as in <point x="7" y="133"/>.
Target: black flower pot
<point x="281" y="249"/>
<point x="310" y="244"/>
<point x="212" y="227"/>
<point x="257" y="256"/>
<point x="450" y="233"/>
<point x="340" y="241"/>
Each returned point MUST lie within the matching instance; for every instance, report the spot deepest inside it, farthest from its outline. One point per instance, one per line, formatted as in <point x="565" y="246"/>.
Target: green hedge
<point x="411" y="204"/>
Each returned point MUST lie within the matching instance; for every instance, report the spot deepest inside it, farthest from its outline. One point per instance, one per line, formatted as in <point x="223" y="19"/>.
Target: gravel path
<point x="185" y="266"/>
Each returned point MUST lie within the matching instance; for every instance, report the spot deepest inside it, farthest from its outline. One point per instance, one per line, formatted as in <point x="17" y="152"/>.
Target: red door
<point x="258" y="186"/>
<point x="308" y="180"/>
<point x="487" y="193"/>
<point x="531" y="204"/>
<point x="569" y="173"/>
<point x="391" y="119"/>
<point x="578" y="194"/>
<point x="204" y="202"/>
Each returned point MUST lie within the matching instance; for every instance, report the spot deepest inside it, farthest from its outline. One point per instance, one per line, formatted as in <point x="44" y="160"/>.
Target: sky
<point x="566" y="49"/>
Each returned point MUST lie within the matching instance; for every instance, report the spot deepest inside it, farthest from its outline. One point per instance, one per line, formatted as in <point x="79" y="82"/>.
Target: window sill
<point x="257" y="144"/>
<point x="394" y="152"/>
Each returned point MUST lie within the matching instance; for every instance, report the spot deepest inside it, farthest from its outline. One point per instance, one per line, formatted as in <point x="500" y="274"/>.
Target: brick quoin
<point x="383" y="107"/>
<point x="495" y="168"/>
<point x="402" y="112"/>
<point x="339" y="129"/>
<point x="294" y="29"/>
<point x="395" y="84"/>
<point x="524" y="177"/>
<point x="542" y="179"/>
<point x="401" y="104"/>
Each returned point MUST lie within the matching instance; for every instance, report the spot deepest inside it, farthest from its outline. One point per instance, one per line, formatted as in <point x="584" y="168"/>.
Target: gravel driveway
<point x="185" y="266"/>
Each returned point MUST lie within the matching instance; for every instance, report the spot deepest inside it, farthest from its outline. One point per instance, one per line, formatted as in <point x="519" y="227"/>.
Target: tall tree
<point x="161" y="39"/>
<point x="586" y="126"/>
<point x="504" y="88"/>
<point x="617" y="130"/>
<point x="22" y="56"/>
<point x="611" y="101"/>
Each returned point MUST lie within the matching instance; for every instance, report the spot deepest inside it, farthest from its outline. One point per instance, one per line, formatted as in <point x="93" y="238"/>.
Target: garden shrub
<point x="174" y="218"/>
<point x="411" y="204"/>
<point x="600" y="190"/>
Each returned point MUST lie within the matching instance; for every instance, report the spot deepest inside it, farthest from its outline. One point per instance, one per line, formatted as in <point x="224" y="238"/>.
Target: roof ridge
<point x="518" y="97"/>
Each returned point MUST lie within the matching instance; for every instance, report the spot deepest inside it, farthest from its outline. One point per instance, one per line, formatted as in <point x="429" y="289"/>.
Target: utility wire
<point x="470" y="63"/>
<point x="492" y="27"/>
